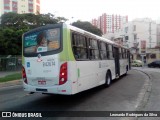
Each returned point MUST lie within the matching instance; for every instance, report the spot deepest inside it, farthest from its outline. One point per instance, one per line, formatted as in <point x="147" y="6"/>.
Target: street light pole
<point x="136" y="47"/>
<point x="150" y="38"/>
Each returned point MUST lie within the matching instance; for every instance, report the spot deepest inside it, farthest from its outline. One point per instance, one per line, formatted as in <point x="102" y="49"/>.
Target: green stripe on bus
<point x="67" y="54"/>
<point x="63" y="54"/>
<point x="70" y="51"/>
<point x="78" y="71"/>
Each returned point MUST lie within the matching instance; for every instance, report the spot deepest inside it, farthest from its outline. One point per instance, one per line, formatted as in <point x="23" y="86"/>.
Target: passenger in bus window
<point x="41" y="42"/>
<point x="83" y="54"/>
<point x="77" y="53"/>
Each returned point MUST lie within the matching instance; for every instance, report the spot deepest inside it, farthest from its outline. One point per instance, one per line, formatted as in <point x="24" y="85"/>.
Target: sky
<point x="86" y="10"/>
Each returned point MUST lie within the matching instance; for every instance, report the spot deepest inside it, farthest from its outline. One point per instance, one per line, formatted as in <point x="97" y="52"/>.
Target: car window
<point x="157" y="62"/>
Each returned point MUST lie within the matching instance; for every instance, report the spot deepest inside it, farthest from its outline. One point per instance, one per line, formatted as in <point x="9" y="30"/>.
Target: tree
<point x="29" y="20"/>
<point x="88" y="27"/>
<point x="13" y="25"/>
<point x="10" y="41"/>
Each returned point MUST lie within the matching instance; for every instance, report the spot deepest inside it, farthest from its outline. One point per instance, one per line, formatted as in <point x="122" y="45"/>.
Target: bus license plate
<point x="41" y="82"/>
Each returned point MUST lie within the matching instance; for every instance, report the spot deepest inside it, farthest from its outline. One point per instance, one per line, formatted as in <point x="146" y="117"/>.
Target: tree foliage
<point x="13" y="25"/>
<point x="88" y="27"/>
<point x="28" y="20"/>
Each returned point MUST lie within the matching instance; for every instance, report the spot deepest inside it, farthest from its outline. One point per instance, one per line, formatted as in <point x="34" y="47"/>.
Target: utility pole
<point x="150" y="38"/>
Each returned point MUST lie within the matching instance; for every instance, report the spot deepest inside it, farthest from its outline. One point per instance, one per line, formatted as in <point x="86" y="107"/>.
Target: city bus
<point x="63" y="59"/>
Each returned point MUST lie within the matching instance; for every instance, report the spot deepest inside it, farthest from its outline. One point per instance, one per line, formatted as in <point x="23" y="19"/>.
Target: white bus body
<point x="57" y="70"/>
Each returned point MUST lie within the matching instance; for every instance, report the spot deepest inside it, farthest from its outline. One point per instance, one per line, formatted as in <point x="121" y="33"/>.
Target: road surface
<point x="125" y="94"/>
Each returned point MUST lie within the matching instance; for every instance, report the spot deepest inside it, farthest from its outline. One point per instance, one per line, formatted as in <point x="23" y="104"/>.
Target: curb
<point x="11" y="83"/>
<point x="145" y="92"/>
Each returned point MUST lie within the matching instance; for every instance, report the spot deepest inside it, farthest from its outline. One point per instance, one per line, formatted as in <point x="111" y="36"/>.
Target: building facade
<point x="139" y="35"/>
<point x="158" y="35"/>
<point x="19" y="6"/>
<point x="109" y="23"/>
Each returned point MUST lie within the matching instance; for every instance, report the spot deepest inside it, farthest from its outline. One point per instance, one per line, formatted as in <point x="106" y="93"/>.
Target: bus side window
<point x="120" y="53"/>
<point x="79" y="46"/>
<point x="73" y="39"/>
<point x="110" y="52"/>
<point x="94" y="52"/>
<point x="107" y="49"/>
<point x="113" y="51"/>
<point x="124" y="53"/>
<point x="103" y="51"/>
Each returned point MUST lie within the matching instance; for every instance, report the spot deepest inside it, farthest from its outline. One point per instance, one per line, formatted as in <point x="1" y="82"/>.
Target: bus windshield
<point x="42" y="41"/>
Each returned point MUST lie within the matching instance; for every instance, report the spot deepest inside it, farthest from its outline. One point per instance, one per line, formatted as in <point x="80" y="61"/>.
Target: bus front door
<point x="117" y="64"/>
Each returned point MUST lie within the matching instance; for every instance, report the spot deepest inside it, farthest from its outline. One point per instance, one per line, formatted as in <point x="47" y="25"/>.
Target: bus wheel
<point x="108" y="79"/>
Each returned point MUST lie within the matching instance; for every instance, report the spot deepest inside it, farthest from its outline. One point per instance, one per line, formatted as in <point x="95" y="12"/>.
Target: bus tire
<point x="108" y="79"/>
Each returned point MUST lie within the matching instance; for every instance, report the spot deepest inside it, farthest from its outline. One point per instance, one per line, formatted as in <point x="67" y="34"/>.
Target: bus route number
<point x="48" y="63"/>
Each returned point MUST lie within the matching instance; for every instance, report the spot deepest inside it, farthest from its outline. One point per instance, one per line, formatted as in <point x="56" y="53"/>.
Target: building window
<point x="135" y="36"/>
<point x="6" y="5"/>
<point x="30" y="1"/>
<point x="126" y="29"/>
<point x="126" y="38"/>
<point x="6" y="11"/>
<point x="134" y="27"/>
<point x="14" y="6"/>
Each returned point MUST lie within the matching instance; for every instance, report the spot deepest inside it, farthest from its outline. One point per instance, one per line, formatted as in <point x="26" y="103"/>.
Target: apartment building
<point x="141" y="31"/>
<point x="19" y="6"/>
<point x="140" y="35"/>
<point x="109" y="23"/>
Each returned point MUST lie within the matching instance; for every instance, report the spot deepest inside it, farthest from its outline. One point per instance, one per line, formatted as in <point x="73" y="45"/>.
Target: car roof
<point x="137" y="60"/>
<point x="156" y="61"/>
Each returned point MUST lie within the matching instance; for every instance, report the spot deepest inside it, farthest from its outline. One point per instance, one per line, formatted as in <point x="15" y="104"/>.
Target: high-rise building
<point x="19" y="6"/>
<point x="94" y="22"/>
<point x="109" y="23"/>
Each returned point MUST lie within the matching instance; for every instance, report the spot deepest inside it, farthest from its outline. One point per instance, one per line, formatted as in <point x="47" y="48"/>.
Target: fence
<point x="10" y="63"/>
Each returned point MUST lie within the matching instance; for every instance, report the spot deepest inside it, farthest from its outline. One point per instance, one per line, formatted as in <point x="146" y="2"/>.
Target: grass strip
<point x="11" y="77"/>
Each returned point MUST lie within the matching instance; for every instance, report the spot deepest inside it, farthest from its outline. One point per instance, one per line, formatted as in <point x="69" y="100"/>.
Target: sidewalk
<point x="9" y="83"/>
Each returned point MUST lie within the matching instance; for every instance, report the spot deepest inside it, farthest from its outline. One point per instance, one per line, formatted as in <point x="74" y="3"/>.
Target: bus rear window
<point x="42" y="41"/>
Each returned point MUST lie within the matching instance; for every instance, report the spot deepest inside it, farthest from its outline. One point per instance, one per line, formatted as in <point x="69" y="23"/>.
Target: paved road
<point x="152" y="103"/>
<point x="125" y="94"/>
